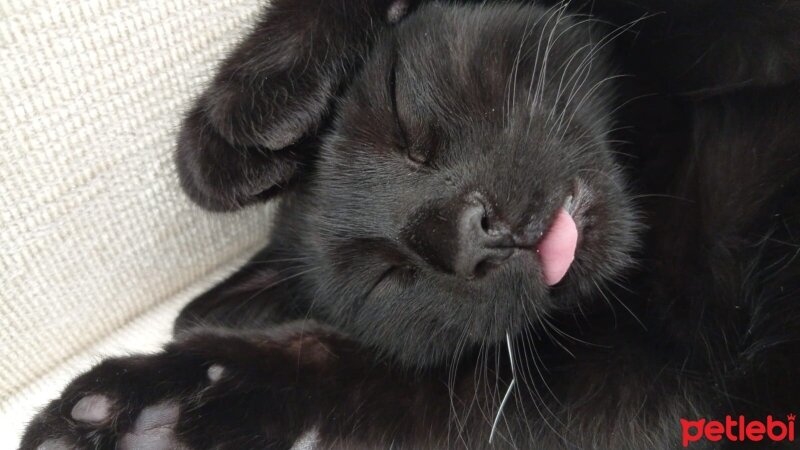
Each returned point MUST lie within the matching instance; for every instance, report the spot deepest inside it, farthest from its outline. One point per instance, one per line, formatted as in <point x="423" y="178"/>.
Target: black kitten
<point x="600" y="203"/>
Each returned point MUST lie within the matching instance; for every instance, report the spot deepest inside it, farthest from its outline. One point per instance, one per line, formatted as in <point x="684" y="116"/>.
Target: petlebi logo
<point x="738" y="429"/>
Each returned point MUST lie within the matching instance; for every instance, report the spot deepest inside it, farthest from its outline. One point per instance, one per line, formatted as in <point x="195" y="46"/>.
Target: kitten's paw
<point x="94" y="414"/>
<point x="154" y="428"/>
<point x="212" y="390"/>
<point x="94" y="409"/>
<point x="118" y="405"/>
<point x="220" y="176"/>
<point x="158" y="402"/>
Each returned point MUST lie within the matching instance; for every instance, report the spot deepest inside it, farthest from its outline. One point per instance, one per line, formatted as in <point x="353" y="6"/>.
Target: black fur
<point x="673" y="123"/>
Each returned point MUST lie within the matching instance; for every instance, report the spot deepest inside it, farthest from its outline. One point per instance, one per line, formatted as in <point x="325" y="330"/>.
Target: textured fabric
<point x="94" y="231"/>
<point x="145" y="333"/>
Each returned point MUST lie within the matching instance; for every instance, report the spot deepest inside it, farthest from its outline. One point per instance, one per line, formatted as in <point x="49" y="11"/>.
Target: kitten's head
<point x="465" y="160"/>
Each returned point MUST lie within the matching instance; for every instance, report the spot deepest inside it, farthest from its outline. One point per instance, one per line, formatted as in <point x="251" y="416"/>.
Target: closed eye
<point x="393" y="98"/>
<point x="383" y="276"/>
<point x="402" y="274"/>
<point x="415" y="153"/>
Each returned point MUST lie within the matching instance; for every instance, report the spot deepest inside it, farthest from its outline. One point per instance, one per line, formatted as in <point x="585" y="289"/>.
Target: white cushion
<point x="98" y="246"/>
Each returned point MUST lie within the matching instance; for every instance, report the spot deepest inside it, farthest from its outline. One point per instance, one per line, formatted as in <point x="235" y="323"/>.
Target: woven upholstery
<point x="98" y="246"/>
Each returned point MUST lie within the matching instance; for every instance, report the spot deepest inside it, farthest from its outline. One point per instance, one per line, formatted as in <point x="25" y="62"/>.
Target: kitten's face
<point x="467" y="134"/>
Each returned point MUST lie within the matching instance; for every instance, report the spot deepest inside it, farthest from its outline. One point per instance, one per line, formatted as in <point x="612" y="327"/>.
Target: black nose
<point x="484" y="241"/>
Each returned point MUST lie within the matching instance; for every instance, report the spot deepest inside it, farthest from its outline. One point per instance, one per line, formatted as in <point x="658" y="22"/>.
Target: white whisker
<point x="508" y="390"/>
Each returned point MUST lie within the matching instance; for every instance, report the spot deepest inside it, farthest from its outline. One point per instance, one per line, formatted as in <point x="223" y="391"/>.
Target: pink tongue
<point x="557" y="248"/>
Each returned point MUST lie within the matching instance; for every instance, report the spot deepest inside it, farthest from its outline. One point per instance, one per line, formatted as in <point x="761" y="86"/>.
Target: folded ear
<point x="252" y="131"/>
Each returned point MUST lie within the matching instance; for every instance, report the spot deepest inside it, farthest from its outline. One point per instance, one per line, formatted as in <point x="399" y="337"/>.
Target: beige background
<point x="98" y="246"/>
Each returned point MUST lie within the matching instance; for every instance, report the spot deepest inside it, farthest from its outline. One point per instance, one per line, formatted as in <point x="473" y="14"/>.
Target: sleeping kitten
<point x="502" y="225"/>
